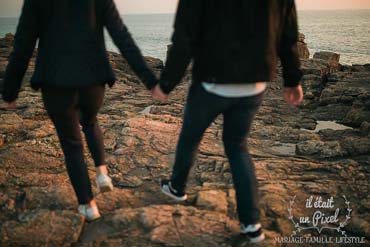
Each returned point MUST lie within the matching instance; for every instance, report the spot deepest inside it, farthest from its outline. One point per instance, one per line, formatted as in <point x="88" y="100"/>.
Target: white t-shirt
<point x="235" y="90"/>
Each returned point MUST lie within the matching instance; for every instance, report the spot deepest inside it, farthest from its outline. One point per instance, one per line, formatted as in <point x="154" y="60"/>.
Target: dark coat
<point x="233" y="41"/>
<point x="71" y="48"/>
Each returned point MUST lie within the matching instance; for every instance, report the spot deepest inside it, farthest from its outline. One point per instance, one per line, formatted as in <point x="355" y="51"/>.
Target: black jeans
<point x="68" y="108"/>
<point x="201" y="110"/>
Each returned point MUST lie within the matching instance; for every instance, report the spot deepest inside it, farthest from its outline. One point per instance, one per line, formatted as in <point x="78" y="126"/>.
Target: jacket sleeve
<point x="184" y="41"/>
<point x="24" y="45"/>
<point x="127" y="46"/>
<point x="288" y="51"/>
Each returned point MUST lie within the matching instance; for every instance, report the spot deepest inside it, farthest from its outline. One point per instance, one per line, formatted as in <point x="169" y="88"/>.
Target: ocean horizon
<point x="346" y="32"/>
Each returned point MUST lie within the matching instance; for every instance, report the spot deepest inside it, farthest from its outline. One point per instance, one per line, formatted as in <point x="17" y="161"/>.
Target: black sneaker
<point x="167" y="189"/>
<point x="254" y="232"/>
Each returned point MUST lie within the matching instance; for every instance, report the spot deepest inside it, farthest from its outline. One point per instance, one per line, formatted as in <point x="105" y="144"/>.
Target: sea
<point x="346" y="32"/>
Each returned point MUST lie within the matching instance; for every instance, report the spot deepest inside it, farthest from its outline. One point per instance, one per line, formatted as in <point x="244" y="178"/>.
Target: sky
<point x="11" y="8"/>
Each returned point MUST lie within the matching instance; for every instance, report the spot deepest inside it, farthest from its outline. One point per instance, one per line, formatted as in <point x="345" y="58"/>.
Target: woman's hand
<point x="158" y="94"/>
<point x="293" y="95"/>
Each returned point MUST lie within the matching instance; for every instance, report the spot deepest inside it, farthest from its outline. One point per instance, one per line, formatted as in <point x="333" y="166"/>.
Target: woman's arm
<point x="24" y="45"/>
<point x="125" y="43"/>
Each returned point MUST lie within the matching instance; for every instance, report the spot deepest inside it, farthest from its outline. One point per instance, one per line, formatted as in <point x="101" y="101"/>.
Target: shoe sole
<point x="179" y="199"/>
<point x="87" y="218"/>
<point x="257" y="239"/>
<point x="105" y="187"/>
<point x="92" y="219"/>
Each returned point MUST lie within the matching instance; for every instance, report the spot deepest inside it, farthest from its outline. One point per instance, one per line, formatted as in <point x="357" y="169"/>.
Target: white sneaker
<point x="254" y="232"/>
<point x="168" y="190"/>
<point x="104" y="183"/>
<point x="90" y="213"/>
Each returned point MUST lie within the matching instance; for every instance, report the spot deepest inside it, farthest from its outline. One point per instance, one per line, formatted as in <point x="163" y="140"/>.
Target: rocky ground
<point x="298" y="152"/>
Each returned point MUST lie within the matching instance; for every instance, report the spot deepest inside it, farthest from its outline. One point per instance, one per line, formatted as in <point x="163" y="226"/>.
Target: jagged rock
<point x="129" y="182"/>
<point x="321" y="149"/>
<point x="301" y="37"/>
<point x="9" y="119"/>
<point x="359" y="226"/>
<point x="350" y="90"/>
<point x="367" y="67"/>
<point x="327" y="56"/>
<point x="7" y="41"/>
<point x="42" y="228"/>
<point x="164" y="226"/>
<point x="7" y="200"/>
<point x="166" y="235"/>
<point x="330" y="57"/>
<point x="2" y="140"/>
<point x="356" y="146"/>
<point x="120" y="198"/>
<point x="140" y="145"/>
<point x="55" y="197"/>
<point x="356" y="116"/>
<point x="308" y="123"/>
<point x="212" y="200"/>
<point x="303" y="51"/>
<point x="316" y="67"/>
<point x="312" y="87"/>
<point x="317" y="70"/>
<point x="358" y="68"/>
<point x="365" y="127"/>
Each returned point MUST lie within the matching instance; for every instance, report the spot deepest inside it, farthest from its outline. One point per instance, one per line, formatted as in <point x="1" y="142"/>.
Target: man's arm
<point x="127" y="46"/>
<point x="24" y="45"/>
<point x="288" y="51"/>
<point x="184" y="41"/>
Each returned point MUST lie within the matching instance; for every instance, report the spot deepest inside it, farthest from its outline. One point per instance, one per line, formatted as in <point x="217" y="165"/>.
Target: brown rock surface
<point x="331" y="57"/>
<point x="140" y="141"/>
<point x="212" y="200"/>
<point x="42" y="228"/>
<point x="303" y="51"/>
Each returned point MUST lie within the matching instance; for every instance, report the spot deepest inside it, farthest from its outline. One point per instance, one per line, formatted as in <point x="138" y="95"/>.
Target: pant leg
<point x="237" y="124"/>
<point x="61" y="105"/>
<point x="90" y="100"/>
<point x="200" y="111"/>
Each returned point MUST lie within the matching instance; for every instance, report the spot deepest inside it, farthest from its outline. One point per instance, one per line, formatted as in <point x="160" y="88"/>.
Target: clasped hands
<point x="158" y="94"/>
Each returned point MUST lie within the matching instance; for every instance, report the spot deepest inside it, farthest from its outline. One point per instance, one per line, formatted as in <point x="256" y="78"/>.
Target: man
<point x="235" y="46"/>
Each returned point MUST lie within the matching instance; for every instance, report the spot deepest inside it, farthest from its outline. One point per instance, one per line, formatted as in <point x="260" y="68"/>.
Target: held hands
<point x="293" y="95"/>
<point x="158" y="94"/>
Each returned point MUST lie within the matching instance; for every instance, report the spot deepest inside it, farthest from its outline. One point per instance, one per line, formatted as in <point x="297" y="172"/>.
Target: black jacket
<point x="235" y="41"/>
<point x="71" y="48"/>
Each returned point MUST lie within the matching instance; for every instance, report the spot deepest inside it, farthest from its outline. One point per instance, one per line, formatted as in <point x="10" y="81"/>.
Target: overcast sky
<point x="12" y="7"/>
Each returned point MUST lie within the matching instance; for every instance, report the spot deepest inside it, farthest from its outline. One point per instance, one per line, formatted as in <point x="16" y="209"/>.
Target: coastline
<point x="293" y="157"/>
<point x="340" y="31"/>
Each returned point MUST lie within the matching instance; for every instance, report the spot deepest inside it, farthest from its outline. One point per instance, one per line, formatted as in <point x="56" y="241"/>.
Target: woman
<point x="71" y="70"/>
<point x="234" y="46"/>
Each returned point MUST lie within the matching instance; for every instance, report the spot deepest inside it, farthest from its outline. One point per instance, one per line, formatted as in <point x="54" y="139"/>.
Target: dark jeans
<point x="201" y="110"/>
<point x="68" y="108"/>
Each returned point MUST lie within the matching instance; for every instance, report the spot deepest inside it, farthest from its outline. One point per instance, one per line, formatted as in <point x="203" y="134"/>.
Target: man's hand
<point x="8" y="105"/>
<point x="293" y="95"/>
<point x="158" y="94"/>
